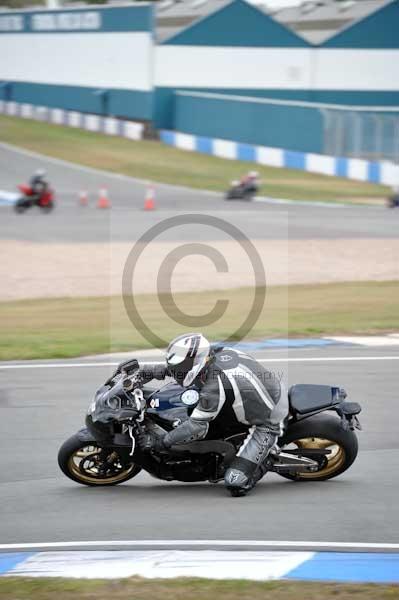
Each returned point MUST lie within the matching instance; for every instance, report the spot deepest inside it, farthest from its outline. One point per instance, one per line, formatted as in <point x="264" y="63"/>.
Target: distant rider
<point x="233" y="389"/>
<point x="38" y="184"/>
<point x="393" y="200"/>
<point x="250" y="181"/>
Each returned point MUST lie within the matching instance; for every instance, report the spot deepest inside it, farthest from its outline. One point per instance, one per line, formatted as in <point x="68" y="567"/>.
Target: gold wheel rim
<point x="335" y="459"/>
<point x="85" y="453"/>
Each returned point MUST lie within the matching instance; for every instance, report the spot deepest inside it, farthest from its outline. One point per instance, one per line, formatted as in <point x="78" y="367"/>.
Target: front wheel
<point x="321" y="432"/>
<point x="90" y="463"/>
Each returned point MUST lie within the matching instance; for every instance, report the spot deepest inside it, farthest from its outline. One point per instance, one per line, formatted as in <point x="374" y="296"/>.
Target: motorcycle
<point x="29" y="198"/>
<point x="393" y="201"/>
<point x="319" y="442"/>
<point x="242" y="191"/>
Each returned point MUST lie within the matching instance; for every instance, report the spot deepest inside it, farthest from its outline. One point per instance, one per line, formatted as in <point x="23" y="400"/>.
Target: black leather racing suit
<point x="234" y="388"/>
<point x="39" y="186"/>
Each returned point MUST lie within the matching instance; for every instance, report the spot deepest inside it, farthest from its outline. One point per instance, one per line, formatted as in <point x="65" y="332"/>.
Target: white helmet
<point x="186" y="357"/>
<point x="40" y="173"/>
<point x="253" y="174"/>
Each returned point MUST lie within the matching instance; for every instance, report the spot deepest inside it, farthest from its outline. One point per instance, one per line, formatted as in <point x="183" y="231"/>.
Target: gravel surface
<point x="34" y="270"/>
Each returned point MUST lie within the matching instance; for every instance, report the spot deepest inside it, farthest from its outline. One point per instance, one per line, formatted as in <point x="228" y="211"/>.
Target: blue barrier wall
<point x="164" y="99"/>
<point x="132" y="104"/>
<point x="250" y="122"/>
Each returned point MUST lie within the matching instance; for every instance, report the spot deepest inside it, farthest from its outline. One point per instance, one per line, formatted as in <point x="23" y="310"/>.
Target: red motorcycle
<point x="29" y="198"/>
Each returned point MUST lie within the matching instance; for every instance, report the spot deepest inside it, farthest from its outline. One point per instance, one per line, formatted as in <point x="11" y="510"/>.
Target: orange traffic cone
<point x="149" y="202"/>
<point x="103" y="200"/>
<point x="83" y="198"/>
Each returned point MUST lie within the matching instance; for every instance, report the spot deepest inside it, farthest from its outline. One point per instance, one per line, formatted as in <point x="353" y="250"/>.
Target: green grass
<point x="67" y="327"/>
<point x="156" y="162"/>
<point x="187" y="589"/>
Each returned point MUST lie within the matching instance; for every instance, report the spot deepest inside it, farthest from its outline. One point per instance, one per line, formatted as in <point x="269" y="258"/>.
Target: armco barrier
<point x="361" y="170"/>
<point x="58" y="116"/>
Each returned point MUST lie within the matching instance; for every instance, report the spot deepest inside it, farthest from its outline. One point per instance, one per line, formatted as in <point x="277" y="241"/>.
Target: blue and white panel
<point x="42" y="113"/>
<point x="75" y="119"/>
<point x="351" y="168"/>
<point x="110" y="126"/>
<point x="26" y="111"/>
<point x="57" y="116"/>
<point x="215" y="564"/>
<point x="92" y="122"/>
<point x="132" y="131"/>
<point x="11" y="109"/>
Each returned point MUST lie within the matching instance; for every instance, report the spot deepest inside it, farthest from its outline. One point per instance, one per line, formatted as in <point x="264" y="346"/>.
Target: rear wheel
<point x="21" y="206"/>
<point x="321" y="432"/>
<point x="46" y="208"/>
<point x="90" y="463"/>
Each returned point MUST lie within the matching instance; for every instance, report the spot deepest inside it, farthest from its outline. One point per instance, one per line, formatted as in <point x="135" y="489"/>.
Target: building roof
<point x="314" y="20"/>
<point x="173" y="16"/>
<point x="318" y="20"/>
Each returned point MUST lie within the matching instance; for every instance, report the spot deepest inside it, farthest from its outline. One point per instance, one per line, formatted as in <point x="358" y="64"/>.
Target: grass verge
<point x="187" y="589"/>
<point x="158" y="162"/>
<point x="67" y="327"/>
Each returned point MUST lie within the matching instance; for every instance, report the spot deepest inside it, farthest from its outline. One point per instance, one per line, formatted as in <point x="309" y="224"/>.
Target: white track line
<point x="285" y="201"/>
<point x="103" y="173"/>
<point x="120" y="176"/>
<point x="195" y="543"/>
<point x="265" y="360"/>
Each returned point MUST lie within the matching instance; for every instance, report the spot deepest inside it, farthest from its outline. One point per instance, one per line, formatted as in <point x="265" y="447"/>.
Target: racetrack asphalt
<point x="126" y="221"/>
<point x="40" y="406"/>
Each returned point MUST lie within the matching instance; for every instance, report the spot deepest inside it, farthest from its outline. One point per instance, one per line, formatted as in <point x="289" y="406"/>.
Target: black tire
<point x="248" y="196"/>
<point x="20" y="206"/>
<point x="328" y="428"/>
<point x="67" y="453"/>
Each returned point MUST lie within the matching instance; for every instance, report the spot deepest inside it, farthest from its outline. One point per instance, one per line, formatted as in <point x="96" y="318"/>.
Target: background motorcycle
<point x="242" y="191"/>
<point x="393" y="201"/>
<point x="319" y="442"/>
<point x="29" y="198"/>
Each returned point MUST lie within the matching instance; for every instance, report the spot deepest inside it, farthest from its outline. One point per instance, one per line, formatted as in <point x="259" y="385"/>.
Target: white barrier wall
<point x="237" y="68"/>
<point x="71" y="58"/>
<point x="310" y="69"/>
<point x="356" y="69"/>
<point x="111" y="60"/>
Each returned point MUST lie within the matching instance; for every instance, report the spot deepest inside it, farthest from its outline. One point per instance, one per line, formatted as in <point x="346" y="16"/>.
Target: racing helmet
<point x="186" y="356"/>
<point x="40" y="173"/>
<point x="253" y="174"/>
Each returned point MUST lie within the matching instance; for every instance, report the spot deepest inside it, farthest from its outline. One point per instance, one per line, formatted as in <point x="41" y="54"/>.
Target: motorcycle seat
<point x="306" y="398"/>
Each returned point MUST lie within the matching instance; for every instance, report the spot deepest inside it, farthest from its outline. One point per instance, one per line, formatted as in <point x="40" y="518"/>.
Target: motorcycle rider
<point x="38" y="184"/>
<point x="251" y="181"/>
<point x="233" y="387"/>
<point x="393" y="200"/>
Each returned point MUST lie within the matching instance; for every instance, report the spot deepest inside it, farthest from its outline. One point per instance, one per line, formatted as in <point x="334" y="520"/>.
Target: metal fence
<point x="361" y="133"/>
